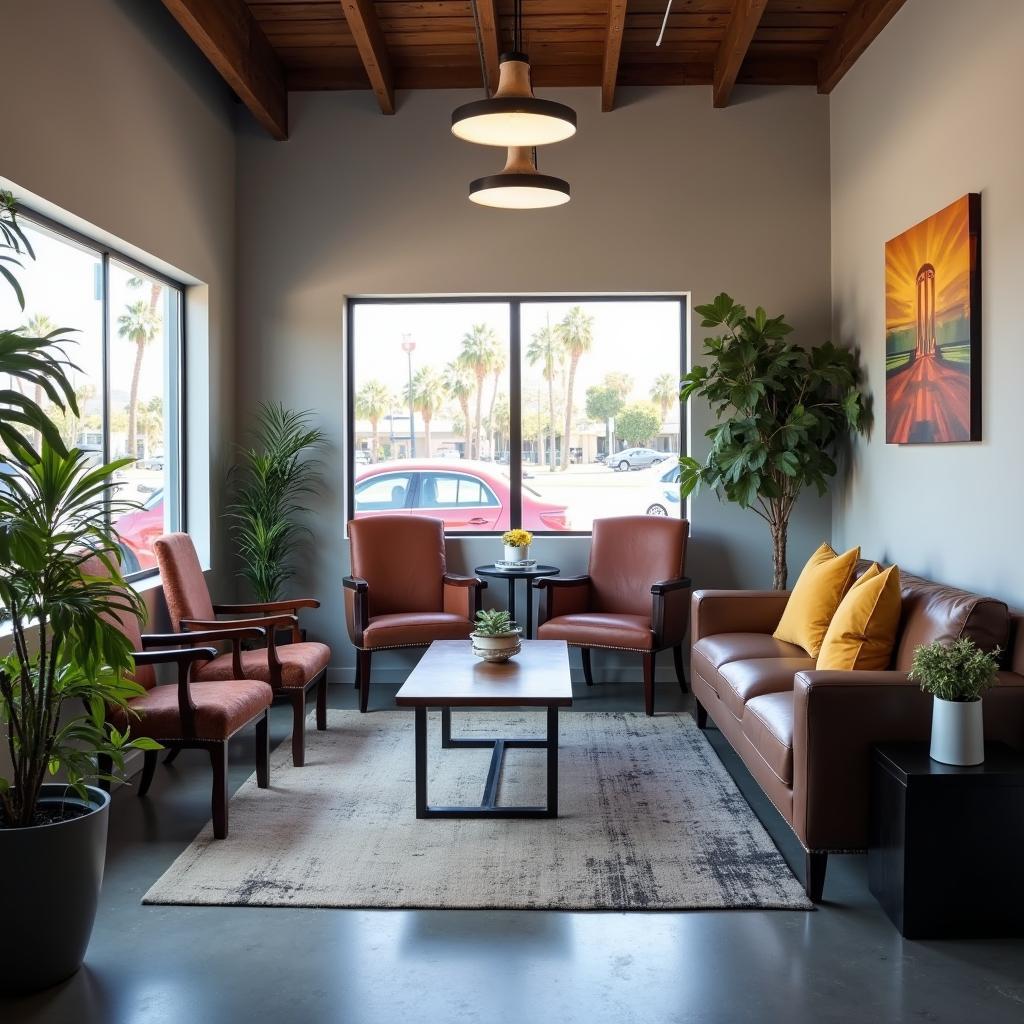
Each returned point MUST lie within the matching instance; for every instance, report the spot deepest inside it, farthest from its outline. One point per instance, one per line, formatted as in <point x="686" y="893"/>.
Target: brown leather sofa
<point x="806" y="735"/>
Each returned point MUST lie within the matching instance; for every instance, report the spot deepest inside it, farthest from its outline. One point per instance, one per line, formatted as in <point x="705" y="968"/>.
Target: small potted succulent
<point x="956" y="675"/>
<point x="496" y="637"/>
<point x="517" y="545"/>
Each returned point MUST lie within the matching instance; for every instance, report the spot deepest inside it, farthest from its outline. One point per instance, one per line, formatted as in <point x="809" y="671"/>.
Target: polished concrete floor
<point x="182" y="965"/>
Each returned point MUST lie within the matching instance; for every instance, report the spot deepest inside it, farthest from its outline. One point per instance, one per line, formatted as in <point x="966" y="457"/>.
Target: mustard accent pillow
<point x="862" y="632"/>
<point x="822" y="584"/>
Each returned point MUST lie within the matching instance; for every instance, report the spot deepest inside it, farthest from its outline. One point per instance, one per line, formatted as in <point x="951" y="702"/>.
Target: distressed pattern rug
<point x="649" y="820"/>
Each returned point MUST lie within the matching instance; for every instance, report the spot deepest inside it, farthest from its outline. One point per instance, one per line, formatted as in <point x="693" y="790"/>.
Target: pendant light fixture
<point x="519" y="185"/>
<point x="513" y="116"/>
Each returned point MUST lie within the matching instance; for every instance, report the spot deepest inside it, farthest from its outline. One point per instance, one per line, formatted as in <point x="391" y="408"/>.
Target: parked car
<point x="635" y="458"/>
<point x="664" y="498"/>
<point x="137" y="532"/>
<point x="155" y="462"/>
<point x="469" y="496"/>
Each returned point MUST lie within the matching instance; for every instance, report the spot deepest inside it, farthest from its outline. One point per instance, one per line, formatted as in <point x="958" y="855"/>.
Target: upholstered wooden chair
<point x="291" y="669"/>
<point x="400" y="593"/>
<point x="188" y="715"/>
<point x="633" y="598"/>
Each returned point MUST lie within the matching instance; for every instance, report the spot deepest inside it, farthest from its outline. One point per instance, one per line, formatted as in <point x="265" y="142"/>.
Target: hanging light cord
<point x="480" y="50"/>
<point x="664" y="23"/>
<point x="518" y="41"/>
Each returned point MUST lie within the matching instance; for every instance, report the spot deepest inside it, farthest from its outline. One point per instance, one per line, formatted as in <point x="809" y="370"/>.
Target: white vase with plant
<point x="517" y="545"/>
<point x="956" y="675"/>
<point x="496" y="637"/>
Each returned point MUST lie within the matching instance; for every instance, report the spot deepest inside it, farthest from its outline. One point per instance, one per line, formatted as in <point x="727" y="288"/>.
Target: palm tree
<point x="37" y="326"/>
<point x="576" y="335"/>
<point x="544" y="348"/>
<point x="459" y="385"/>
<point x="498" y="364"/>
<point x="372" y="402"/>
<point x="428" y="394"/>
<point x="479" y="348"/>
<point x="664" y="389"/>
<point x="139" y="324"/>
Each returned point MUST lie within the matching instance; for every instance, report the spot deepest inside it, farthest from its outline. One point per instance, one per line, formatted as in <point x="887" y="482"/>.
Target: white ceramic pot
<point x="958" y="732"/>
<point x="496" y="648"/>
<point x="516" y="554"/>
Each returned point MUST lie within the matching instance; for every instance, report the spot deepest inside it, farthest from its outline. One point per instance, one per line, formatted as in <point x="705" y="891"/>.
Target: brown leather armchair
<point x="400" y="593"/>
<point x="633" y="598"/>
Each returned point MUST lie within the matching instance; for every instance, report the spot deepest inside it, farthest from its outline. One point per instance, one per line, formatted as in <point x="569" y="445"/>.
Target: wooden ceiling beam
<point x="855" y="34"/>
<point x="365" y="28"/>
<point x="612" y="50"/>
<point x="235" y="45"/>
<point x="486" y="11"/>
<point x="739" y="34"/>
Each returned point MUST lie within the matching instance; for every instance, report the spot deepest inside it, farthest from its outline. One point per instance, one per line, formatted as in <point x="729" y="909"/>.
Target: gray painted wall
<point x="668" y="195"/>
<point x="905" y="142"/>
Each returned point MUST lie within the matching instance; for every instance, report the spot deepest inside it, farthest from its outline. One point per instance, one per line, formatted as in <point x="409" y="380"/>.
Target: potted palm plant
<point x="496" y="637"/>
<point x="956" y="675"/>
<point x="270" y="482"/>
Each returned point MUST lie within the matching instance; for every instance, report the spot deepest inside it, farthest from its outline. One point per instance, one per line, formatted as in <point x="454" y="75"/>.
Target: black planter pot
<point x="51" y="878"/>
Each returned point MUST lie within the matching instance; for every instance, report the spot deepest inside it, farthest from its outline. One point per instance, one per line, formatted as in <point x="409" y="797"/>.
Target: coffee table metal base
<point x="488" y="807"/>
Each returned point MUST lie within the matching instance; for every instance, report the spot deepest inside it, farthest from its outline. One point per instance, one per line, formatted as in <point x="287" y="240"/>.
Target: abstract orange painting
<point x="933" y="328"/>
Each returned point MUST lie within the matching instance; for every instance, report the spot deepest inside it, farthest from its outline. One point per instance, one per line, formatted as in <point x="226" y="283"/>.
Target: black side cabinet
<point x="946" y="844"/>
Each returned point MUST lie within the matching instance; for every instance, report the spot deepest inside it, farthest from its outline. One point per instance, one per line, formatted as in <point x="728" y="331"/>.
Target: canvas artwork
<point x="933" y="328"/>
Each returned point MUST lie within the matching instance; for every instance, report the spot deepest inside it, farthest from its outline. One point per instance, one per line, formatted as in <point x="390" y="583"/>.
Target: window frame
<point x="106" y="254"/>
<point x="515" y="302"/>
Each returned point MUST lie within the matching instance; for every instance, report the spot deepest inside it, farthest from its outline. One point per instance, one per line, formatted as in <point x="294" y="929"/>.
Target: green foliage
<point x="782" y="411"/>
<point x="492" y="622"/>
<point x="959" y="671"/>
<point x="55" y="508"/>
<point x="603" y="402"/>
<point x="270" y="483"/>
<point x="35" y="362"/>
<point x="637" y="423"/>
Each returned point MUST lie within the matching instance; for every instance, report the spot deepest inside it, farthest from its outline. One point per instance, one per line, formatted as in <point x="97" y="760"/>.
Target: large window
<point x="537" y="412"/>
<point x="127" y="351"/>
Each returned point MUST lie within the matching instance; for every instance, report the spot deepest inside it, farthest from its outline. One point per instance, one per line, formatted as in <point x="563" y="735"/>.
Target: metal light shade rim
<point x="514" y="105"/>
<point x="547" y="182"/>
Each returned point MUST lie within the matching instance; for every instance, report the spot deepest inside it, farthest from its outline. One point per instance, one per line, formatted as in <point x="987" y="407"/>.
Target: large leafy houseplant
<point x="271" y="481"/>
<point x="783" y="411"/>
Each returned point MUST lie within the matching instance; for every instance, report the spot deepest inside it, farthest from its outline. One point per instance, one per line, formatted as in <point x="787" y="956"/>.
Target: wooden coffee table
<point x="450" y="676"/>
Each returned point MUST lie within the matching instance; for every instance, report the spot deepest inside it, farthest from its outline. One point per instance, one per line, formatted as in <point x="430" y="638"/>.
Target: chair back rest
<point x="185" y="587"/>
<point x="128" y="624"/>
<point x="402" y="559"/>
<point x="628" y="554"/>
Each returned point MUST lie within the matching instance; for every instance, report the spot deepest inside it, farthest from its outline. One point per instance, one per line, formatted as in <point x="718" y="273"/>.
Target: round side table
<point x="518" y="574"/>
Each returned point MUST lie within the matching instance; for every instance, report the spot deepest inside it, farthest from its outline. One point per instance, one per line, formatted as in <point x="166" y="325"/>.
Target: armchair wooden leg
<point x="263" y="752"/>
<point x="172" y="755"/>
<point x="363" y="659"/>
<point x="219" y="763"/>
<point x="104" y="766"/>
<point x="700" y="713"/>
<point x="298" y="698"/>
<point x="321" y="702"/>
<point x="649" y="683"/>
<point x="815" y="866"/>
<point x="677" y="657"/>
<point x="148" y="768"/>
<point x="588" y="674"/>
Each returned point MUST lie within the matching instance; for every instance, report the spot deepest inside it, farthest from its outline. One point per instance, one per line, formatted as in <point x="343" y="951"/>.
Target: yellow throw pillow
<point x="863" y="631"/>
<point x="822" y="584"/>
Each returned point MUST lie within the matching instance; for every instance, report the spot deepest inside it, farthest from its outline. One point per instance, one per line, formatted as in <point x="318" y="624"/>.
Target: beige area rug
<point x="650" y="820"/>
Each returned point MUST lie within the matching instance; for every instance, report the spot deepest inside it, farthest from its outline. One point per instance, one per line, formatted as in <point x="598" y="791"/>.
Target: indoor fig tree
<point x="782" y="413"/>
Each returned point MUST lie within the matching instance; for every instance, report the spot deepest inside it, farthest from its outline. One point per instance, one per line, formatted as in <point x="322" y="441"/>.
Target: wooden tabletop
<point x="449" y="674"/>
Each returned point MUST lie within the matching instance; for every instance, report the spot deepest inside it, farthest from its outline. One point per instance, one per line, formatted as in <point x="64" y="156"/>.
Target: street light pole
<point x="408" y="347"/>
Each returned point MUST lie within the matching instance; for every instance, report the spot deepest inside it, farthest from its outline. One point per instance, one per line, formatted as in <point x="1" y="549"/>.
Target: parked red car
<point x="468" y="496"/>
<point x="137" y="532"/>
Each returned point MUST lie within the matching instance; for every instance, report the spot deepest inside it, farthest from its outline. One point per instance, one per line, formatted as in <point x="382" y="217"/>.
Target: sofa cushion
<point x="768" y="724"/>
<point x="743" y="680"/>
<point x="720" y="648"/>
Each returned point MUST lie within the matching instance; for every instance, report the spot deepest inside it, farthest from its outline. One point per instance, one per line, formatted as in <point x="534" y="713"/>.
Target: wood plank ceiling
<point x="386" y="45"/>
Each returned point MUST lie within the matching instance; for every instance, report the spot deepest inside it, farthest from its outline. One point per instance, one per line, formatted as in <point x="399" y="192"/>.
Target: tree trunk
<point x="133" y="399"/>
<point x="551" y="418"/>
<point x="491" y="430"/>
<point x="376" y="440"/>
<point x="568" y="409"/>
<point x="426" y="431"/>
<point x="780" y="530"/>
<point x="479" y="426"/>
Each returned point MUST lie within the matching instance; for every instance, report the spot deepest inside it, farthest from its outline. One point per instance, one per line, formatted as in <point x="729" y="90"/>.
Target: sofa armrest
<point x="736" y="611"/>
<point x="839" y="716"/>
<point x="561" y="595"/>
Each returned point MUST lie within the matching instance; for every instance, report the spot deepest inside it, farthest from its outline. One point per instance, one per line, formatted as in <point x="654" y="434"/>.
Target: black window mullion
<point x="515" y="418"/>
<point x="105" y="367"/>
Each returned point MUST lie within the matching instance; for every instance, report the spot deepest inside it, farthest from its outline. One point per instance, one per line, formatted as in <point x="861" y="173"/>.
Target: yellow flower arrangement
<point x="517" y="538"/>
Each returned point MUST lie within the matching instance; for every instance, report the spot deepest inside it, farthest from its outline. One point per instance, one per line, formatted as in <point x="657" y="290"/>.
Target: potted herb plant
<point x="956" y="675"/>
<point x="496" y="637"/>
<point x="517" y="545"/>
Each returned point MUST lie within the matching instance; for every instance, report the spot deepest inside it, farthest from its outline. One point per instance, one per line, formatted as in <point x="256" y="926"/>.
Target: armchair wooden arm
<point x="561" y="595"/>
<point x="269" y="607"/>
<point x="271" y="623"/>
<point x="236" y="636"/>
<point x="357" y="607"/>
<point x="183" y="658"/>
<point x="670" y="611"/>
